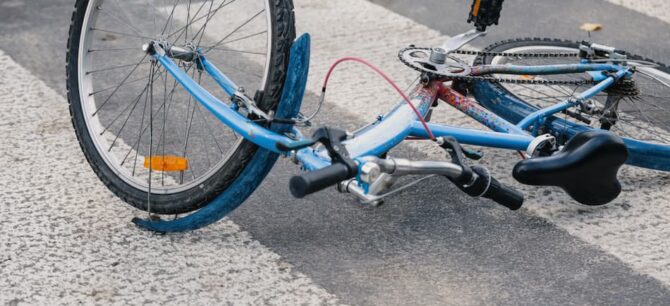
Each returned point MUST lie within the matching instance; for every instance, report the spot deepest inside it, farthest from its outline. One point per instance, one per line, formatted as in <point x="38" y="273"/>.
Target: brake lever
<point x="451" y="145"/>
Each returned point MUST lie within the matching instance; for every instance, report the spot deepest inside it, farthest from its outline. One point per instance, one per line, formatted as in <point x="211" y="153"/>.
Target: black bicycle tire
<point x="283" y="31"/>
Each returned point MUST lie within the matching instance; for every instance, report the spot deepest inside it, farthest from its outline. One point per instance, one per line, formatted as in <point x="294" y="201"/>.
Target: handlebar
<point x="485" y="185"/>
<point x="480" y="181"/>
<point x="318" y="180"/>
<point x="504" y="195"/>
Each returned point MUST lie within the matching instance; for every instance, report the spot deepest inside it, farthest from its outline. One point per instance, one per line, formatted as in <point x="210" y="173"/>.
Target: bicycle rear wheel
<point x="146" y="138"/>
<point x="642" y="119"/>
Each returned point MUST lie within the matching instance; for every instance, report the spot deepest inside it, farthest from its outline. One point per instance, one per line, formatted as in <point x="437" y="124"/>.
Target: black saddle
<point x="586" y="168"/>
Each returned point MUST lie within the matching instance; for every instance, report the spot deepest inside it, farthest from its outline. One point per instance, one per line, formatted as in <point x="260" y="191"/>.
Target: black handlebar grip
<point x="504" y="195"/>
<point x="318" y="180"/>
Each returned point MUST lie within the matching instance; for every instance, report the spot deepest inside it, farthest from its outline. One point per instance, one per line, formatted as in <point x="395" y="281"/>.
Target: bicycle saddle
<point x="586" y="168"/>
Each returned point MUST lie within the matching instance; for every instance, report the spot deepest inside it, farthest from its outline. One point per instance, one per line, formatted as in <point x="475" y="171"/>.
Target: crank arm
<point x="458" y="41"/>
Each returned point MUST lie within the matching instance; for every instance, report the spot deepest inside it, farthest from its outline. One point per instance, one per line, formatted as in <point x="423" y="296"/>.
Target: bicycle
<point x="575" y="111"/>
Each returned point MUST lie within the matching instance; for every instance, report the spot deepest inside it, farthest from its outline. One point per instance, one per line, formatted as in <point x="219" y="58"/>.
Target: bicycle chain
<point x="501" y="80"/>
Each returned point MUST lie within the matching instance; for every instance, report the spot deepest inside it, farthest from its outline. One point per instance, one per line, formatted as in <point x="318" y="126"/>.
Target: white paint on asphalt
<point x="655" y="8"/>
<point x="635" y="227"/>
<point x="67" y="240"/>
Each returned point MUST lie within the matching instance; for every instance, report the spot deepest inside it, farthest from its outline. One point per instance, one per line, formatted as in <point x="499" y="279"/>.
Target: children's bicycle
<point x="143" y="80"/>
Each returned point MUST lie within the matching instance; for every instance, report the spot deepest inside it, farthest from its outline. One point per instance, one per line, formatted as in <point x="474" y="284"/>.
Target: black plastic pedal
<point x="484" y="13"/>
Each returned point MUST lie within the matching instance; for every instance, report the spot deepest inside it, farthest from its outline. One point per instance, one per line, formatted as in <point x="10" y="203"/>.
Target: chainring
<point x="457" y="69"/>
<point x="419" y="59"/>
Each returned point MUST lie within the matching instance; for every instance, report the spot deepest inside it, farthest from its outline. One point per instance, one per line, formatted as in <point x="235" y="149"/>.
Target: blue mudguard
<point x="260" y="164"/>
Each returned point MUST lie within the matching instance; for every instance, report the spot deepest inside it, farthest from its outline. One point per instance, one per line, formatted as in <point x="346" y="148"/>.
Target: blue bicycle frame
<point x="374" y="139"/>
<point x="401" y="122"/>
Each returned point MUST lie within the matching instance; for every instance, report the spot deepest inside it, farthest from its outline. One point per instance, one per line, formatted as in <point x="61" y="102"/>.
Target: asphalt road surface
<point x="66" y="240"/>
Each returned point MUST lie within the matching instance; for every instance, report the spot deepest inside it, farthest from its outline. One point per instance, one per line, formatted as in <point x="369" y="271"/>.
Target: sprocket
<point x="453" y="68"/>
<point x="435" y="62"/>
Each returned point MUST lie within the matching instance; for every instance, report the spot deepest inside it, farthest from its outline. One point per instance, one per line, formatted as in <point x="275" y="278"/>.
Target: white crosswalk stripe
<point x="68" y="240"/>
<point x="654" y="8"/>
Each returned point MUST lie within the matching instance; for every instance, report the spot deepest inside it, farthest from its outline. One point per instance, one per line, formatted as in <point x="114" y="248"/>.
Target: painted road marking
<point x="66" y="234"/>
<point x="655" y="8"/>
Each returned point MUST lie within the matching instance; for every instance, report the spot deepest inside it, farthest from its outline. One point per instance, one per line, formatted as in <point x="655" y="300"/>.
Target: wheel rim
<point x="643" y="117"/>
<point x="134" y="109"/>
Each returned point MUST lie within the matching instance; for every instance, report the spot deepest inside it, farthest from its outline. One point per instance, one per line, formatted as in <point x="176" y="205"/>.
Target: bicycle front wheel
<point x="638" y="111"/>
<point x="146" y="138"/>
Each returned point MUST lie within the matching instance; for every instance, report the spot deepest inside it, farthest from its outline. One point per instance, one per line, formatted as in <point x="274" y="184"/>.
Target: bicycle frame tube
<point x="224" y="82"/>
<point x="382" y="135"/>
<point x="399" y="123"/>
<point x="477" y="112"/>
<point x="240" y="124"/>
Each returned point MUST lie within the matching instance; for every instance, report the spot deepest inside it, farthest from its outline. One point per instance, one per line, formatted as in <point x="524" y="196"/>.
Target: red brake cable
<point x="380" y="73"/>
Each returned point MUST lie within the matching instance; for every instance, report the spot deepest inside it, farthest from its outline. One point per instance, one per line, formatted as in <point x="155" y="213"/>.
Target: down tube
<point x="242" y="125"/>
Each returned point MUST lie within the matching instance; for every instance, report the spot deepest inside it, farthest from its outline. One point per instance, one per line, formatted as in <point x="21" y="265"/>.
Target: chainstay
<point x="503" y="80"/>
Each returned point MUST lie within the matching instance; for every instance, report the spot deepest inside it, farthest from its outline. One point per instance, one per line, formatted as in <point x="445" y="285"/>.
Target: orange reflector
<point x="166" y="163"/>
<point x="527" y="77"/>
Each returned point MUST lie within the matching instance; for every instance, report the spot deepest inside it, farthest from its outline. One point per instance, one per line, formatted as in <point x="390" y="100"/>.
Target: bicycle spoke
<point x="114" y="49"/>
<point x="231" y="66"/>
<point x="151" y="136"/>
<point x="137" y="99"/>
<point x="638" y="117"/>
<point x="537" y="91"/>
<point x="115" y="67"/>
<point x="189" y="121"/>
<point x="162" y="139"/>
<point x="203" y="28"/>
<point x="235" y="30"/>
<point x="188" y="16"/>
<point x="209" y="129"/>
<point x="202" y="121"/>
<point x="170" y="17"/>
<point x="142" y="112"/>
<point x="139" y="137"/>
<point x="238" y="51"/>
<point x="244" y="37"/>
<point x="134" y="105"/>
<point x="119" y="86"/>
<point x="658" y="107"/>
<point x="653" y="125"/>
<point x="121" y="33"/>
<point x="115" y="86"/>
<point x="130" y="27"/>
<point x="144" y="128"/>
<point x="181" y="30"/>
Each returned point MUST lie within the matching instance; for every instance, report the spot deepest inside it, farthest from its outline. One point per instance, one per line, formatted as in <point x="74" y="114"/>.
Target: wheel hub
<point x="187" y="52"/>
